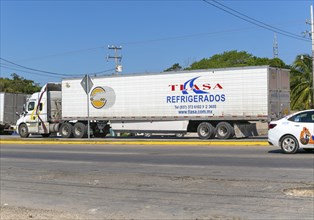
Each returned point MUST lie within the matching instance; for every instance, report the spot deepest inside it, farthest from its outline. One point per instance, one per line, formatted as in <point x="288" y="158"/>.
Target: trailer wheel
<point x="23" y="131"/>
<point x="205" y="130"/>
<point x="66" y="130"/>
<point x="224" y="130"/>
<point x="80" y="130"/>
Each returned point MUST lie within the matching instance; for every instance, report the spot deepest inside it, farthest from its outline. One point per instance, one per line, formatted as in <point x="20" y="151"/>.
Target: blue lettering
<point x="223" y="98"/>
<point x="177" y="98"/>
<point x="196" y="98"/>
<point x="173" y="99"/>
<point x="211" y="98"/>
<point x="206" y="98"/>
<point x="182" y="98"/>
<point x="217" y="98"/>
<point x="201" y="98"/>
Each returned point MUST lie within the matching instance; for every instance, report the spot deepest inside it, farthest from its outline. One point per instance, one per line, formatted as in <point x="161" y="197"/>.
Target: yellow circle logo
<point x="102" y="97"/>
<point x="98" y="97"/>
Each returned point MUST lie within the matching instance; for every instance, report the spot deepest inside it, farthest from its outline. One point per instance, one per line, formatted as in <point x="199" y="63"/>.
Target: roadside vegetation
<point x="301" y="77"/>
<point x="18" y="85"/>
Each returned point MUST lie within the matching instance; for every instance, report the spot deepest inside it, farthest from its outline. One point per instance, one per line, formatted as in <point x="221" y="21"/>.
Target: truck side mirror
<point x="17" y="113"/>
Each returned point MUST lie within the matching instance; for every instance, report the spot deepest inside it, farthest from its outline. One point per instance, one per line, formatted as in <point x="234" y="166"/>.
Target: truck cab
<point x="41" y="112"/>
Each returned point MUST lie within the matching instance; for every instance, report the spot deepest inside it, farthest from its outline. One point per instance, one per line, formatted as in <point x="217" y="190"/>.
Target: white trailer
<point x="10" y="103"/>
<point x="213" y="102"/>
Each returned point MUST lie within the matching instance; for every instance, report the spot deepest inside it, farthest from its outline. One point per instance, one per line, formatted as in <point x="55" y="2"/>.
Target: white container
<point x="248" y="93"/>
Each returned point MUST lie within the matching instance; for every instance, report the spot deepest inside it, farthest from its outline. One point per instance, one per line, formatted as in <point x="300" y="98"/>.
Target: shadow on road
<point x="279" y="151"/>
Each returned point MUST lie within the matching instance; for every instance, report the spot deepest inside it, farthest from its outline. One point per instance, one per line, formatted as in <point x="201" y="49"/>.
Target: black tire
<point x="80" y="130"/>
<point x="23" y="131"/>
<point x="224" y="130"/>
<point x="66" y="130"/>
<point x="289" y="144"/>
<point x="100" y="133"/>
<point x="205" y="130"/>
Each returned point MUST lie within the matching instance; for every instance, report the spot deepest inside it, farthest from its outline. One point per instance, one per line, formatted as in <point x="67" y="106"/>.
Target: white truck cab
<point x="42" y="112"/>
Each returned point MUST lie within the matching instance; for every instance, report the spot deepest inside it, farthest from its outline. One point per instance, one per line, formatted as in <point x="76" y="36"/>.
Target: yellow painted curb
<point x="198" y="143"/>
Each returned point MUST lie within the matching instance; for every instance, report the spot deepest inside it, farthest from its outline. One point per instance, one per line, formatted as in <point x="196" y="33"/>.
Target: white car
<point x="293" y="132"/>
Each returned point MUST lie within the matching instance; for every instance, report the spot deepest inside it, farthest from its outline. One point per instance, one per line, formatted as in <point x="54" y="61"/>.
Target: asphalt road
<point x="158" y="182"/>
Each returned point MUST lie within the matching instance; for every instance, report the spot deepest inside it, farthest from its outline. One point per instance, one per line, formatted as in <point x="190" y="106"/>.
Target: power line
<point x="182" y="37"/>
<point x="270" y="26"/>
<point x="13" y="66"/>
<point x="41" y="71"/>
<point x="15" y="69"/>
<point x="252" y="20"/>
<point x="105" y="71"/>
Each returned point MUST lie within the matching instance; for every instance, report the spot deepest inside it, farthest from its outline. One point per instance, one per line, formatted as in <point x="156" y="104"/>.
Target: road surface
<point x="155" y="182"/>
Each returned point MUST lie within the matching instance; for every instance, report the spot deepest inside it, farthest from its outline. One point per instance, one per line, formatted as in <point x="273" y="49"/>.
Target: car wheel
<point x="80" y="130"/>
<point x="205" y="130"/>
<point x="289" y="144"/>
<point x="224" y="130"/>
<point x="66" y="130"/>
<point x="23" y="131"/>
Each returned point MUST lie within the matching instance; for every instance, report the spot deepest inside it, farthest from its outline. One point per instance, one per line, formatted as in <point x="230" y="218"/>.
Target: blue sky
<point x="71" y="37"/>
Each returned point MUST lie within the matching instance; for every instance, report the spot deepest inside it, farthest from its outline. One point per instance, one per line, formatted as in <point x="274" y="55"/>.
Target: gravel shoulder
<point x="17" y="213"/>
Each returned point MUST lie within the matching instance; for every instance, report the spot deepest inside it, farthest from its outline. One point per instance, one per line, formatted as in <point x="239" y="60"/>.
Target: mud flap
<point x="245" y="130"/>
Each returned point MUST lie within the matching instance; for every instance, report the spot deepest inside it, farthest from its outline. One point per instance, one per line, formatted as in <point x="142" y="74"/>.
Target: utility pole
<point x="116" y="57"/>
<point x="275" y="46"/>
<point x="312" y="37"/>
<point x="311" y="34"/>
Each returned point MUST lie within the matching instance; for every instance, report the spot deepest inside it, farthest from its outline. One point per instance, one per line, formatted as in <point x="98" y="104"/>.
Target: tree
<point x="235" y="58"/>
<point x="301" y="81"/>
<point x="175" y="67"/>
<point x="232" y="58"/>
<point x="18" y="85"/>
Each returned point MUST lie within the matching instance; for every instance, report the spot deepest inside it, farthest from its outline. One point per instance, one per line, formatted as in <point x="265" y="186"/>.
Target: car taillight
<point x="270" y="126"/>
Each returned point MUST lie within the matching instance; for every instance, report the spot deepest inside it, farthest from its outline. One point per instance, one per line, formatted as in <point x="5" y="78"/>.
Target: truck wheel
<point x="205" y="130"/>
<point x="80" y="130"/>
<point x="66" y="130"/>
<point x="289" y="144"/>
<point x="224" y="130"/>
<point x="23" y="131"/>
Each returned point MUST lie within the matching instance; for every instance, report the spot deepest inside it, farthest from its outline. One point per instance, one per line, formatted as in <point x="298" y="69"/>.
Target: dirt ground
<point x="17" y="213"/>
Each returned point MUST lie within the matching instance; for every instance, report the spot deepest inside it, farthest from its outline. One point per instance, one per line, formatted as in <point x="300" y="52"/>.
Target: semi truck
<point x="10" y="103"/>
<point x="214" y="103"/>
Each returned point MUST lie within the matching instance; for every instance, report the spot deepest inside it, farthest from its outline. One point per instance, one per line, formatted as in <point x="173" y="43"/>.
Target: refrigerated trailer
<point x="220" y="103"/>
<point x="10" y="103"/>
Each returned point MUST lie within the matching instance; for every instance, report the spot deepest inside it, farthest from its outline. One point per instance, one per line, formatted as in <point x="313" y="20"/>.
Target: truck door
<point x="31" y="118"/>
